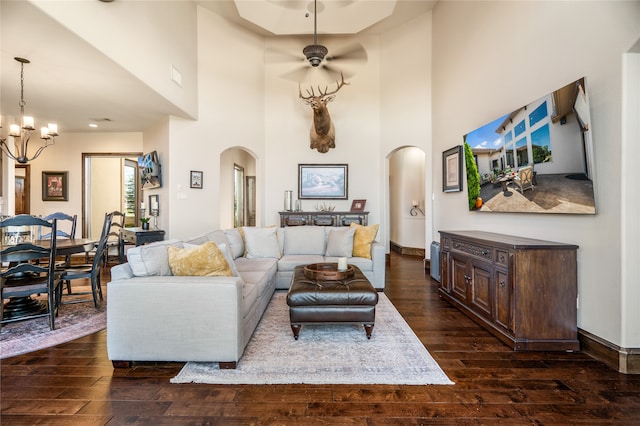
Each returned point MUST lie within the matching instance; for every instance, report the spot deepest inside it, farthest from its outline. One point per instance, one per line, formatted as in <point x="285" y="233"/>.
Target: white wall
<point x="356" y="116"/>
<point x="126" y="31"/>
<point x="405" y="109"/>
<point x="231" y="113"/>
<point x="491" y="57"/>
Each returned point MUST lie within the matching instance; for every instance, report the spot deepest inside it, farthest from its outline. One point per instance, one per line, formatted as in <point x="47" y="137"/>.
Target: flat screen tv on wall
<point x="535" y="159"/>
<point x="150" y="174"/>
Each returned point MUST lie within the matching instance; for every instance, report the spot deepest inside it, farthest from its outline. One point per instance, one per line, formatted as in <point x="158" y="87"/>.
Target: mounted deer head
<point x="323" y="135"/>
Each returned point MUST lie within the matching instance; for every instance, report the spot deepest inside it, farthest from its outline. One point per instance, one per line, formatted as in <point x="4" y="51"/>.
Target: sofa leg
<point x="368" y="328"/>
<point x="296" y="330"/>
<point x="227" y="365"/>
<point x="121" y="364"/>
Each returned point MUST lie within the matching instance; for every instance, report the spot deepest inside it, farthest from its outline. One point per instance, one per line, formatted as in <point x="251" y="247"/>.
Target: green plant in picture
<point x="473" y="177"/>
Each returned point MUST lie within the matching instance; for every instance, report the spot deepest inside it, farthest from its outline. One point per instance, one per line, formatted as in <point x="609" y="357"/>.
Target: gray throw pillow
<point x="340" y="242"/>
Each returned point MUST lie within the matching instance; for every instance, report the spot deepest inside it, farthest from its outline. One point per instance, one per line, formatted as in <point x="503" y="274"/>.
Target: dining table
<point x="24" y="306"/>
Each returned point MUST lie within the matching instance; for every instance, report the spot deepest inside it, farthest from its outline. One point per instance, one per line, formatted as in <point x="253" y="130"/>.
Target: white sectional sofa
<point x="153" y="315"/>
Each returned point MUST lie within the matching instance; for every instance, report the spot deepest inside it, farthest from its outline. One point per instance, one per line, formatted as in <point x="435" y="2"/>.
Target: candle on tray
<point x="342" y="264"/>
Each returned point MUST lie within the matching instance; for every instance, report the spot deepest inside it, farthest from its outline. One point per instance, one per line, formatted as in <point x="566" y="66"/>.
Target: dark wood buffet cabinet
<point x="524" y="291"/>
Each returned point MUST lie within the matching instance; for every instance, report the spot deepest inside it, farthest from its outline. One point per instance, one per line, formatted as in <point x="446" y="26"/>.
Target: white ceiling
<point x="69" y="82"/>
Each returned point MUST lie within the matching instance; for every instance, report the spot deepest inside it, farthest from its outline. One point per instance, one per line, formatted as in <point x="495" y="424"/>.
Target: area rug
<point x="326" y="354"/>
<point x="73" y="321"/>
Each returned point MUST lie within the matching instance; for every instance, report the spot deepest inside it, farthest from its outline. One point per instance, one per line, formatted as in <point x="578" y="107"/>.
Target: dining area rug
<point x="74" y="320"/>
<point x="326" y="353"/>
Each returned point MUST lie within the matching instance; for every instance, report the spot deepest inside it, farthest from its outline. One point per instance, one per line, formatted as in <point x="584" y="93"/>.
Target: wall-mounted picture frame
<point x="323" y="181"/>
<point x="358" y="205"/>
<point x="452" y="169"/>
<point x="196" y="179"/>
<point x="55" y="186"/>
<point x="154" y="204"/>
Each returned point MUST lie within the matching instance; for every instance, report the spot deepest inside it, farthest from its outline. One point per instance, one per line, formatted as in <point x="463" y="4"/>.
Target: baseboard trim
<point x="407" y="251"/>
<point x="623" y="360"/>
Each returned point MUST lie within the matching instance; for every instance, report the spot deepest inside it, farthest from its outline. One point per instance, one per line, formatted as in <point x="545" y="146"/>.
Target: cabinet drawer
<point x="295" y="220"/>
<point x="502" y="257"/>
<point x="478" y="250"/>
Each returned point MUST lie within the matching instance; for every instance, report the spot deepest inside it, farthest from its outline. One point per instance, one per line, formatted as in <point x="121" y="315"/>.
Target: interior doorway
<point x="238" y="188"/>
<point x="23" y="189"/>
<point x="110" y="182"/>
<point x="407" y="220"/>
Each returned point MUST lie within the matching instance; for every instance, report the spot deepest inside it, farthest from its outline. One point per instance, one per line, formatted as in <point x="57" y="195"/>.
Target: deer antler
<point x="322" y="94"/>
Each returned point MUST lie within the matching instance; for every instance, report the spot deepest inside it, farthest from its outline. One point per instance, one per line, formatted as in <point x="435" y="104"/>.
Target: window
<point x="538" y="114"/>
<point x="541" y="145"/>
<point x="519" y="129"/>
<point x="522" y="152"/>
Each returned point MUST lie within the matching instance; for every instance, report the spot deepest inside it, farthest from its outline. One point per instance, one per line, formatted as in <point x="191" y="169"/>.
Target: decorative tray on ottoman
<point x="327" y="272"/>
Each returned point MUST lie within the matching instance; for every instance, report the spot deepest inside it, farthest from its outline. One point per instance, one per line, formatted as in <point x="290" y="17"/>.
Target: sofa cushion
<point x="217" y="237"/>
<point x="224" y="248"/>
<point x="340" y="242"/>
<point x="289" y="261"/>
<point x="363" y="238"/>
<point x="203" y="260"/>
<point x="304" y="240"/>
<point x="261" y="242"/>
<point x="236" y="242"/>
<point x="151" y="259"/>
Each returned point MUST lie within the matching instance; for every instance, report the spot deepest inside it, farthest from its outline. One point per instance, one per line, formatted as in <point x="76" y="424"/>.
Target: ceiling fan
<point x="318" y="56"/>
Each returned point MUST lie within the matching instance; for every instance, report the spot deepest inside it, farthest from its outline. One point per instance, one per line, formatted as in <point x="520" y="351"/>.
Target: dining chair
<point x="69" y="233"/>
<point x="114" y="237"/>
<point x="90" y="271"/>
<point x="23" y="277"/>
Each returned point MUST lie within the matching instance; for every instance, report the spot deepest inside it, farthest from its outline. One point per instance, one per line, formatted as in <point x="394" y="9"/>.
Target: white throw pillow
<point x="236" y="243"/>
<point x="151" y="259"/>
<point x="304" y="240"/>
<point x="340" y="242"/>
<point x="261" y="242"/>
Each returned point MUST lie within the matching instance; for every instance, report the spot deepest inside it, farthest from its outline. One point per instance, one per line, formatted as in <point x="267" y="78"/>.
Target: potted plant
<point x="145" y="222"/>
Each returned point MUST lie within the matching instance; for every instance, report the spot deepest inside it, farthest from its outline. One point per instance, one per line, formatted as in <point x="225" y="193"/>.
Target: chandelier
<point x="21" y="133"/>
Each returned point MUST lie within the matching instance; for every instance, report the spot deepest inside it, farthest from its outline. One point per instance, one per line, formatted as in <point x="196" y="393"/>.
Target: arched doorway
<point x="407" y="220"/>
<point x="237" y="188"/>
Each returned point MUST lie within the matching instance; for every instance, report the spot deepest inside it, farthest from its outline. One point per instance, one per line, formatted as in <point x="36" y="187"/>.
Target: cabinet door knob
<point x="502" y="283"/>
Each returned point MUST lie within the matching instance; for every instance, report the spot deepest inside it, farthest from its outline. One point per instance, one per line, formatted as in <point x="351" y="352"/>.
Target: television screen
<point x="535" y="159"/>
<point x="150" y="175"/>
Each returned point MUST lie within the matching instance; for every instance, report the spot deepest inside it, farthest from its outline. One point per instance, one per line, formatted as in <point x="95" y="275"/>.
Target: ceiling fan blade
<point x="335" y="72"/>
<point x="298" y="74"/>
<point x="278" y="56"/>
<point x="354" y="52"/>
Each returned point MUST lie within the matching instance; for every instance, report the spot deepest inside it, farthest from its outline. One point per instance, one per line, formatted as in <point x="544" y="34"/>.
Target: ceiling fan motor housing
<point x="315" y="53"/>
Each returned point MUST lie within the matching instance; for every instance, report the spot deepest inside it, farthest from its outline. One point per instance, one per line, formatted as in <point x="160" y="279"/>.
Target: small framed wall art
<point x="452" y="169"/>
<point x="196" y="179"/>
<point x="358" y="205"/>
<point x="55" y="186"/>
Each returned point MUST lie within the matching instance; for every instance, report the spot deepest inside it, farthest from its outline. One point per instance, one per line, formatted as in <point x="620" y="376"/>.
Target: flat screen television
<point x="535" y="159"/>
<point x="150" y="171"/>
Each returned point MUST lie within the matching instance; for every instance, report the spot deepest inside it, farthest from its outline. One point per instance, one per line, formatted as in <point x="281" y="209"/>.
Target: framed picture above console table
<point x="323" y="218"/>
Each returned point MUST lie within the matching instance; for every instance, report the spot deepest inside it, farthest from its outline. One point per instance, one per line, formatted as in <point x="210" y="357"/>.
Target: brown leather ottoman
<point x="352" y="300"/>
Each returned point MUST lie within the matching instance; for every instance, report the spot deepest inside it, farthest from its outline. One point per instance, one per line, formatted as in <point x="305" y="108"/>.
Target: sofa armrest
<point x="121" y="272"/>
<point x="168" y="318"/>
<point x="379" y="258"/>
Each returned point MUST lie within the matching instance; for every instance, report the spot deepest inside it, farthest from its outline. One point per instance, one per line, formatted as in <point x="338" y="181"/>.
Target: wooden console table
<point x="524" y="291"/>
<point x="323" y="218"/>
<point x="139" y="236"/>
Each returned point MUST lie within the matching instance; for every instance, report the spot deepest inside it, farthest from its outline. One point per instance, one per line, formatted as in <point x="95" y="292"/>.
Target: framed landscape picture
<point x="55" y="186"/>
<point x="323" y="181"/>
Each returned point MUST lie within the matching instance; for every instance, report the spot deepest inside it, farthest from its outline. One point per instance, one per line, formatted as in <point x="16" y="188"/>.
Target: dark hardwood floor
<point x="75" y="384"/>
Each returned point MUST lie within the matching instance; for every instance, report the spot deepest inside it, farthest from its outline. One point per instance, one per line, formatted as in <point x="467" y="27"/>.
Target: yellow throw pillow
<point x="206" y="260"/>
<point x="362" y="239"/>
